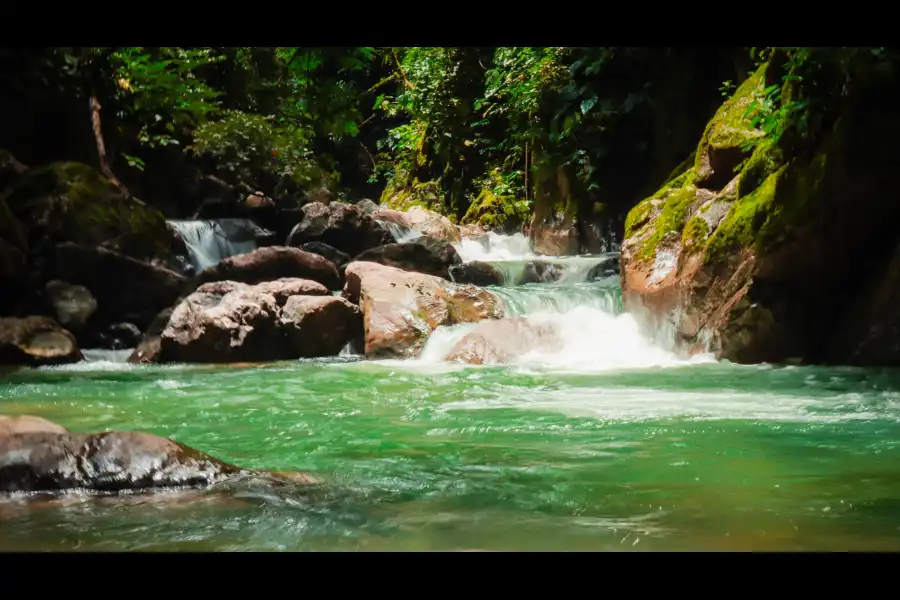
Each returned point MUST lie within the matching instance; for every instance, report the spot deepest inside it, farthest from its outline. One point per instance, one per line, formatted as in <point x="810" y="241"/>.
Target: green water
<point x="583" y="454"/>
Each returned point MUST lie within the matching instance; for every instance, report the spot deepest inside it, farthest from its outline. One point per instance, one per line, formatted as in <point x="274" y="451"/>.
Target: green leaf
<point x="588" y="104"/>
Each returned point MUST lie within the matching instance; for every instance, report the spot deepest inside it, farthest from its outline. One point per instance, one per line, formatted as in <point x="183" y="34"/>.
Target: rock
<point x="232" y="322"/>
<point x="503" y="340"/>
<point x="239" y="325"/>
<point x="72" y="305"/>
<point x="126" y="289"/>
<point x="36" y="341"/>
<point x="340" y="226"/>
<point x="320" y="196"/>
<point x="556" y="237"/>
<point x="27" y="424"/>
<point x="319" y="325"/>
<point x="269" y="264"/>
<point x="366" y="206"/>
<point x="424" y="255"/>
<point x="608" y="267"/>
<point x="46" y="460"/>
<point x="258" y="200"/>
<point x="333" y="254"/>
<point x="119" y="336"/>
<point x="477" y="273"/>
<point x="421" y="220"/>
<point x="147" y="350"/>
<point x="400" y="308"/>
<point x="474" y="231"/>
<point x="538" y="271"/>
<point x="772" y="265"/>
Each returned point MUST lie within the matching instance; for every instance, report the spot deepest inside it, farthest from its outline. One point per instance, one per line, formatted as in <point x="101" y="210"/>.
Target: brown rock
<point x="401" y="309"/>
<point x="27" y="424"/>
<point x="339" y="225"/>
<point x="319" y="325"/>
<point x="499" y="341"/>
<point x="36" y="341"/>
<point x="477" y="273"/>
<point x="147" y="350"/>
<point x="556" y="237"/>
<point x="269" y="264"/>
<point x="73" y="305"/>
<point x="424" y="255"/>
<point x="424" y="221"/>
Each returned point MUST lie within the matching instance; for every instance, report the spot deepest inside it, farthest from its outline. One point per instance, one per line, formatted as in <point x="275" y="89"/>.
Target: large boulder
<point x="27" y="424"/>
<point x="556" y="236"/>
<point x="339" y="225"/>
<point x="43" y="460"/>
<point x="319" y="325"/>
<point x="424" y="255"/>
<point x="401" y="308"/>
<point x="147" y="349"/>
<point x="477" y="273"/>
<point x="421" y="220"/>
<point x="36" y="341"/>
<point x="773" y="262"/>
<point x="504" y="340"/>
<point x="228" y="321"/>
<point x="126" y="289"/>
<point x="275" y="262"/>
<point x="72" y="305"/>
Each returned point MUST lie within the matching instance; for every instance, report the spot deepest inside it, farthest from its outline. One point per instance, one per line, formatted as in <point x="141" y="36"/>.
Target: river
<point x="612" y="443"/>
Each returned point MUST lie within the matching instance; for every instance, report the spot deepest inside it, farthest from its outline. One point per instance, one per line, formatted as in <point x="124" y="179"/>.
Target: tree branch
<point x="402" y="72"/>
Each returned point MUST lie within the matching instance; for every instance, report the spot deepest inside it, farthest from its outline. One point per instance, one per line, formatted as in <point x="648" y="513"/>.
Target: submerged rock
<point x="400" y="308"/>
<point x="341" y="226"/>
<point x="275" y="262"/>
<point x="424" y="255"/>
<point x="538" y="271"/>
<point x="503" y="340"/>
<point x="231" y="322"/>
<point x="608" y="267"/>
<point x="477" y="273"/>
<point x="36" y="341"/>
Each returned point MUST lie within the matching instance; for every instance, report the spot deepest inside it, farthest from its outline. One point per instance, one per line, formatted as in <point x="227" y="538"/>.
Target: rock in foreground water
<point x="36" y="341"/>
<point x="477" y="273"/>
<point x="503" y="340"/>
<point x="400" y="309"/>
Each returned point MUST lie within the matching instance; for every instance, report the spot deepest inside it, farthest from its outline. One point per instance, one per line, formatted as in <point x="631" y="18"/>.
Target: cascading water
<point x="401" y="234"/>
<point x="211" y="241"/>
<point x="583" y="306"/>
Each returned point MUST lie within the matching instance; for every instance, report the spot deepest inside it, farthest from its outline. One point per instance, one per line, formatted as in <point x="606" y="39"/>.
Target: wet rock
<point x="36" y="341"/>
<point x="119" y="336"/>
<point x="609" y="267"/>
<point x="319" y="325"/>
<point x="280" y="289"/>
<point x="72" y="305"/>
<point x="27" y="424"/>
<point x="424" y="221"/>
<point x="503" y="340"/>
<point x="147" y="350"/>
<point x="477" y="273"/>
<point x="269" y="264"/>
<point x="44" y="460"/>
<point x="401" y="308"/>
<point x="424" y="255"/>
<point x="339" y="225"/>
<point x="366" y="206"/>
<point x="538" y="271"/>
<point x="339" y="258"/>
<point x="556" y="236"/>
<point x="126" y="289"/>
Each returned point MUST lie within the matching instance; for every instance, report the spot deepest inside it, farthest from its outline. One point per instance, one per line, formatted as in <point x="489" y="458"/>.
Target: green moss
<point x="425" y="194"/>
<point x="71" y="201"/>
<point x="637" y="216"/>
<point x="695" y="233"/>
<point x="670" y="219"/>
<point x="767" y="157"/>
<point x="679" y="174"/>
<point x="729" y="127"/>
<point x="490" y="210"/>
<point x="745" y="219"/>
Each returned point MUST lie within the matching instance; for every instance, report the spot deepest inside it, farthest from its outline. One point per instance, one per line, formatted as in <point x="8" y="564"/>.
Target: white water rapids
<point x="208" y="242"/>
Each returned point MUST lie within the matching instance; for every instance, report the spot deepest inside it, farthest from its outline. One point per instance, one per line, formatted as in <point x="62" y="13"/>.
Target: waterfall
<point x="211" y="241"/>
<point x="401" y="234"/>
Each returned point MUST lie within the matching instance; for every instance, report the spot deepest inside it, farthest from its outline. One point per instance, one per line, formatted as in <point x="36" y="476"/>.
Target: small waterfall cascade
<point x="208" y="242"/>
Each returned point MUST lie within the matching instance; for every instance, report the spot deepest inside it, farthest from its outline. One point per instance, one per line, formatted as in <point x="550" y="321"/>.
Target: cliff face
<point x="770" y="252"/>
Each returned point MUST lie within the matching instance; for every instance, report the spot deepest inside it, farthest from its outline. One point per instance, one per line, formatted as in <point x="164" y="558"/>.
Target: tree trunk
<point x="101" y="147"/>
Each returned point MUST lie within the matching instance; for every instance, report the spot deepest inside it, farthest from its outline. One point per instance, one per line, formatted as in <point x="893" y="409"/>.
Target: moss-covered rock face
<point x="755" y="253"/>
<point x="491" y="211"/>
<point x="72" y="202"/>
<point x="426" y="194"/>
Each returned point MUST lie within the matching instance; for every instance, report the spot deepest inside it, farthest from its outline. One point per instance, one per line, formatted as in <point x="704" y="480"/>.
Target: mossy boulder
<point x="757" y="256"/>
<point x="493" y="211"/>
<point x="71" y="202"/>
